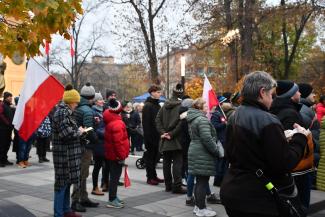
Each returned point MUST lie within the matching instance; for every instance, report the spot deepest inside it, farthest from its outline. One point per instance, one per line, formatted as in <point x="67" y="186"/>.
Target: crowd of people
<point x="273" y="128"/>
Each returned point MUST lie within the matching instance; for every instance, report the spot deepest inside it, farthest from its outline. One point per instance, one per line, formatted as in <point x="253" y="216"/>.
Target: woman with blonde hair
<point x="202" y="153"/>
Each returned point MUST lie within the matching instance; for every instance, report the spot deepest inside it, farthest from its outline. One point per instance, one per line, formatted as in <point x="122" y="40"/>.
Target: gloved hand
<point x="121" y="162"/>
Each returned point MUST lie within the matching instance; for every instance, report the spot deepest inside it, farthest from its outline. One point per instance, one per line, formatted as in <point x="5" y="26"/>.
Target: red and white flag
<point x="209" y="96"/>
<point x="40" y="93"/>
<point x="72" y="53"/>
<point x="47" y="48"/>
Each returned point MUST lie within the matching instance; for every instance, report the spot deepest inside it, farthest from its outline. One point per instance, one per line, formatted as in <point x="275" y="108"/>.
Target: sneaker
<point x="97" y="192"/>
<point x="120" y="201"/>
<point x="114" y="204"/>
<point x="195" y="209"/>
<point x="27" y="164"/>
<point x="152" y="182"/>
<point x="190" y="202"/>
<point x="205" y="213"/>
<point x="21" y="164"/>
<point x="213" y="199"/>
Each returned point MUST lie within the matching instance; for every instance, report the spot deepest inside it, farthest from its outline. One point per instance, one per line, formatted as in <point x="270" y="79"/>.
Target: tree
<point x="24" y="24"/>
<point x="146" y="14"/>
<point x="82" y="48"/>
<point x="305" y="10"/>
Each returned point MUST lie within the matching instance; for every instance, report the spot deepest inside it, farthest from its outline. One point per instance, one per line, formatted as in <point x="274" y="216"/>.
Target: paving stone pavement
<point x="32" y="188"/>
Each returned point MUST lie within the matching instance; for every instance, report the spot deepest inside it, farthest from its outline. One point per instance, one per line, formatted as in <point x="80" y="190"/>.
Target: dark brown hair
<point x="154" y="88"/>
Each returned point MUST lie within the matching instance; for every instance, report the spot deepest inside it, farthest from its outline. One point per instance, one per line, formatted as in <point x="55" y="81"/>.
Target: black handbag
<point x="288" y="204"/>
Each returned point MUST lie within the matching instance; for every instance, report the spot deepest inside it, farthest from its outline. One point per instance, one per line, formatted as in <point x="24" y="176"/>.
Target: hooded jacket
<point x="288" y="112"/>
<point x="320" y="110"/>
<point x="168" y="121"/>
<point x="85" y="118"/>
<point x="149" y="114"/>
<point x="117" y="144"/>
<point x="255" y="140"/>
<point x="203" y="151"/>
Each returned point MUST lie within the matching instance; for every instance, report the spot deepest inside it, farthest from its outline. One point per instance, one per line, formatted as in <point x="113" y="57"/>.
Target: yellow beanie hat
<point x="70" y="95"/>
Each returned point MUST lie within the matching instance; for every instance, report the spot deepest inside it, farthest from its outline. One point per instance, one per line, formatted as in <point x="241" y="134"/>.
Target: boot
<point x="89" y="203"/>
<point x="179" y="190"/>
<point x="76" y="206"/>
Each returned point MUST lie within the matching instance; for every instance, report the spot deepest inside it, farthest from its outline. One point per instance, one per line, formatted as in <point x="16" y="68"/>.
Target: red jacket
<point x="320" y="110"/>
<point x="117" y="144"/>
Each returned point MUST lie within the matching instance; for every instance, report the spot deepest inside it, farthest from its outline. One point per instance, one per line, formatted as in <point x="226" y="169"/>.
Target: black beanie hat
<point x="6" y="95"/>
<point x="305" y="89"/>
<point x="286" y="89"/>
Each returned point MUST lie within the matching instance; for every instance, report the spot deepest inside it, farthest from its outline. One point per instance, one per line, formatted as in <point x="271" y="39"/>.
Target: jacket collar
<point x="254" y="103"/>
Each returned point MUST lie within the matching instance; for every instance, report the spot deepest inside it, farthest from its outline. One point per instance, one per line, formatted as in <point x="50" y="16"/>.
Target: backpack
<point x="45" y="129"/>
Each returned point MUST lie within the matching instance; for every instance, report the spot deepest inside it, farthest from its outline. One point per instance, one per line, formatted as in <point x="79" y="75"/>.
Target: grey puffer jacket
<point x="203" y="150"/>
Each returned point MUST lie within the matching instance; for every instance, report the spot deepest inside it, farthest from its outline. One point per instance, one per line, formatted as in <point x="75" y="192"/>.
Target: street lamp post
<point x="183" y="60"/>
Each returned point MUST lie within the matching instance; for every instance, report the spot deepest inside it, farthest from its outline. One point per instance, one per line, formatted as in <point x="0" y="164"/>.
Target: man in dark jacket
<point x="219" y="121"/>
<point x="169" y="127"/>
<point x="6" y="127"/>
<point x="287" y="108"/>
<point x="151" y="135"/>
<point x="85" y="118"/>
<point x="306" y="178"/>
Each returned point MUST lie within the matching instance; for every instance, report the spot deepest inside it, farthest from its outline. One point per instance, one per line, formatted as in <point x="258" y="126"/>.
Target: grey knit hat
<point x="88" y="91"/>
<point x="98" y="96"/>
<point x="187" y="103"/>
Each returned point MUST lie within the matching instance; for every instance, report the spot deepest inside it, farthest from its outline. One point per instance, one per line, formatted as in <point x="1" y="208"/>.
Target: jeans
<point x="99" y="164"/>
<point x="221" y="169"/>
<point x="151" y="159"/>
<point x="175" y="172"/>
<point x="200" y="191"/>
<point x="190" y="186"/>
<point x="5" y="138"/>
<point x="62" y="201"/>
<point x="304" y="183"/>
<point x="24" y="149"/>
<point x="80" y="194"/>
<point x="115" y="171"/>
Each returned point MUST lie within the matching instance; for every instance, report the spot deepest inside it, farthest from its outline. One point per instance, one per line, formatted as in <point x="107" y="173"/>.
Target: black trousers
<point x="200" y="191"/>
<point x="41" y="145"/>
<point x="235" y="213"/>
<point x="99" y="164"/>
<point x="172" y="168"/>
<point x="5" y="141"/>
<point x="115" y="171"/>
<point x="151" y="160"/>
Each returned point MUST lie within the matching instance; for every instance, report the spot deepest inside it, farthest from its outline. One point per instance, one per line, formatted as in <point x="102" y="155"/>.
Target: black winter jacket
<point x="255" y="140"/>
<point x="6" y="116"/>
<point x="287" y="112"/>
<point x="149" y="113"/>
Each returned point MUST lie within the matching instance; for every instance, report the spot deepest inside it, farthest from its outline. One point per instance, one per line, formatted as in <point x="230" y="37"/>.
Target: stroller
<point x="141" y="162"/>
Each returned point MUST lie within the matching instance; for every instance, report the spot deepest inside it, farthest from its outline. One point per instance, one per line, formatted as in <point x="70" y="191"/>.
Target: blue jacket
<point x="84" y="116"/>
<point x="100" y="131"/>
<point x="219" y="123"/>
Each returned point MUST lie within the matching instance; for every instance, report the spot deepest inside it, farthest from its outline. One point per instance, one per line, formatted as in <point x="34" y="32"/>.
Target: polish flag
<point x="40" y="93"/>
<point x="209" y="96"/>
<point x="72" y="53"/>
